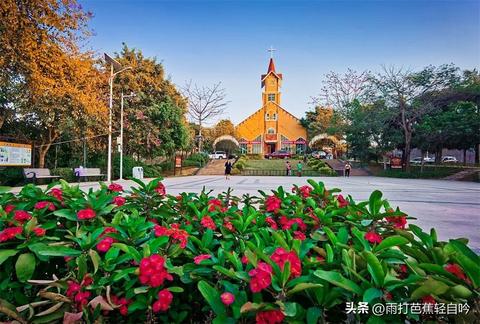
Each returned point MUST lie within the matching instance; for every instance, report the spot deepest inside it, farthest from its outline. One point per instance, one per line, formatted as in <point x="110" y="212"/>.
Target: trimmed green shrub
<point x="11" y="176"/>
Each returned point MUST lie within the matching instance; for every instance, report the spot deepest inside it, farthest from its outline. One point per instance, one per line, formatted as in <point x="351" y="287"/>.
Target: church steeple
<point x="271" y="66"/>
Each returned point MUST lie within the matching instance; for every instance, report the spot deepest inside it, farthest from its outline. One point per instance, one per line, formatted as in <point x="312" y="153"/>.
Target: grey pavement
<point x="452" y="207"/>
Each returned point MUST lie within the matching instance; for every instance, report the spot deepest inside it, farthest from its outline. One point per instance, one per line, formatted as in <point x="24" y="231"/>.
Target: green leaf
<point x="290" y="309"/>
<point x="303" y="286"/>
<point x="429" y="287"/>
<point x="55" y="251"/>
<point x="212" y="296"/>
<point x="285" y="273"/>
<point x="66" y="213"/>
<point x="391" y="241"/>
<point x="95" y="259"/>
<point x="5" y="254"/>
<point x="280" y="240"/>
<point x="313" y="314"/>
<point x="371" y="294"/>
<point x="375" y="202"/>
<point x="176" y="289"/>
<point x="4" y="189"/>
<point x="337" y="279"/>
<point x="374" y="267"/>
<point x="25" y="266"/>
<point x="82" y="265"/>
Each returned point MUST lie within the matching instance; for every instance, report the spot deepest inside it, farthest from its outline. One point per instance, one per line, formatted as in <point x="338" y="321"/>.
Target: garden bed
<point x="296" y="255"/>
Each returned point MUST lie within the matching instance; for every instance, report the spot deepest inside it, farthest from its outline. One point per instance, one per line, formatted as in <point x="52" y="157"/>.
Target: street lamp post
<point x="121" y="132"/>
<point x="114" y="65"/>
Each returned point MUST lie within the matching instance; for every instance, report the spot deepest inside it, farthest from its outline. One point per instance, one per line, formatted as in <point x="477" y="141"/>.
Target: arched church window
<point x="271" y="97"/>
<point x="267" y="116"/>
<point x="271" y="130"/>
<point x="274" y="116"/>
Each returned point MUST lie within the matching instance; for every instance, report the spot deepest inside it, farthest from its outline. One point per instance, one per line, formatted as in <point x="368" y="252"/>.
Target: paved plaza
<point x="452" y="207"/>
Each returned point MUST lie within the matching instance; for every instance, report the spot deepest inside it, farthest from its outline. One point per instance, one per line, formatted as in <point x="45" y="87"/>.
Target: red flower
<point x="105" y="244"/>
<point x="87" y="280"/>
<point x="21" y="216"/>
<point x="288" y="223"/>
<point x="342" y="202"/>
<point x="160" y="189"/>
<point x="201" y="257"/>
<point x="281" y="256"/>
<point x="299" y="235"/>
<point x="153" y="272"/>
<point x="213" y="204"/>
<point x="270" y="221"/>
<point x="10" y="233"/>
<point x="428" y="300"/>
<point x="177" y="234"/>
<point x="119" y="201"/>
<point x="87" y="213"/>
<point x="44" y="204"/>
<point x="109" y="230"/>
<point x="455" y="269"/>
<point x="261" y="277"/>
<point x="244" y="259"/>
<point x="320" y="258"/>
<point x="57" y="193"/>
<point x="305" y="191"/>
<point x="208" y="222"/>
<point x="115" y="187"/>
<point x="227" y="298"/>
<point x="39" y="231"/>
<point x="272" y="203"/>
<point x="73" y="289"/>
<point x="273" y="316"/>
<point x="228" y="225"/>
<point x="165" y="298"/>
<point x="160" y="231"/>
<point x="398" y="221"/>
<point x="373" y="237"/>
<point x="122" y="302"/>
<point x="9" y="208"/>
<point x="388" y="296"/>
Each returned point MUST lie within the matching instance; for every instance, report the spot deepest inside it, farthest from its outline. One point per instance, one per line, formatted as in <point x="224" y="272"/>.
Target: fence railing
<point x="305" y="173"/>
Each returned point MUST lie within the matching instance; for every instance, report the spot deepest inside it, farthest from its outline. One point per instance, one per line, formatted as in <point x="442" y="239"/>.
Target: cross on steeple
<point x="271" y="50"/>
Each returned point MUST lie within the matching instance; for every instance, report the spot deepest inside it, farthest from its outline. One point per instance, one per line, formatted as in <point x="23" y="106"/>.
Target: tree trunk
<point x="464" y="156"/>
<point x="423" y="161"/>
<point x="200" y="139"/>
<point x="477" y="153"/>
<point x="42" y="153"/>
<point x="408" y="143"/>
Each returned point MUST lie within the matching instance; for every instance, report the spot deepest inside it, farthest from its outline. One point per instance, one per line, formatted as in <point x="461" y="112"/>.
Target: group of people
<point x="288" y="167"/>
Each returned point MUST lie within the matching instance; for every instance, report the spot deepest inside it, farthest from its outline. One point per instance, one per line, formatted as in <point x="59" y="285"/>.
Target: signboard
<point x="14" y="154"/>
<point x="250" y="142"/>
<point x="396" y="163"/>
<point x="178" y="161"/>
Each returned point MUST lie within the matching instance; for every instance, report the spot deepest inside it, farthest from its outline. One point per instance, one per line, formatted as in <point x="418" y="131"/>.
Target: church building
<point x="271" y="128"/>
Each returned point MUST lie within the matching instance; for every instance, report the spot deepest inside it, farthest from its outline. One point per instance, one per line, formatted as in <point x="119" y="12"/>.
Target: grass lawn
<point x="428" y="173"/>
<point x="272" y="165"/>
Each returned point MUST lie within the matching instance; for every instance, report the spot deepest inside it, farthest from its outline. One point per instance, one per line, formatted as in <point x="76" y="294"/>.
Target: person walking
<point x="228" y="169"/>
<point x="346" y="171"/>
<point x="288" y="168"/>
<point x="299" y="168"/>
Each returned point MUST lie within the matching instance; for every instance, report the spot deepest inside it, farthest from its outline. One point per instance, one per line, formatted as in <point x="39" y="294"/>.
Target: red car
<point x="281" y="154"/>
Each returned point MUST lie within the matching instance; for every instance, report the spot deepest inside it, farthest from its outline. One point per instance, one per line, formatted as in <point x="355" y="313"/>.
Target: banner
<point x="15" y="154"/>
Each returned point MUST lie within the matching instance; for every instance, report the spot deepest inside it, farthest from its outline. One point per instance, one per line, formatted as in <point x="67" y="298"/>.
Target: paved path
<point x="452" y="207"/>
<point x="213" y="167"/>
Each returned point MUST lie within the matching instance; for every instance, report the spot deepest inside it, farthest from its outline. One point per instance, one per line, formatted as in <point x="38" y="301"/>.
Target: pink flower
<point x="160" y="189"/>
<point x="227" y="298"/>
<point x="373" y="237"/>
<point x="208" y="222"/>
<point x="9" y="208"/>
<point x="57" y="193"/>
<point x="44" y="204"/>
<point x="305" y="191"/>
<point x="87" y="213"/>
<point x="105" y="244"/>
<point x="153" y="272"/>
<point x="21" y="216"/>
<point x="201" y="257"/>
<point x="272" y="203"/>
<point x="165" y="298"/>
<point x="228" y="225"/>
<point x="39" y="231"/>
<point x="119" y="201"/>
<point x="115" y="187"/>
<point x="271" y="222"/>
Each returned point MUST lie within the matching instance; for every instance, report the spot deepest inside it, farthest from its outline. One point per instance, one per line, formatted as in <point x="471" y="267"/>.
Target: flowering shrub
<point x="294" y="257"/>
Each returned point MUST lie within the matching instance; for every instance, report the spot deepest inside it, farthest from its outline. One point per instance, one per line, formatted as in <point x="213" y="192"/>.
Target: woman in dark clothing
<point x="228" y="169"/>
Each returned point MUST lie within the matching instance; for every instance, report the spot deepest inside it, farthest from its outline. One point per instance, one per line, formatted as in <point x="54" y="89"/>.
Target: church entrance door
<point x="270" y="148"/>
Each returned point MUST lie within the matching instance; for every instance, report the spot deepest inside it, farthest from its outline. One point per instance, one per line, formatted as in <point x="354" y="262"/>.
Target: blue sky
<point x="227" y="41"/>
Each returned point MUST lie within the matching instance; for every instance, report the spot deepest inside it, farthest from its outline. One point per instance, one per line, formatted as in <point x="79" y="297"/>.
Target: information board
<point x="15" y="154"/>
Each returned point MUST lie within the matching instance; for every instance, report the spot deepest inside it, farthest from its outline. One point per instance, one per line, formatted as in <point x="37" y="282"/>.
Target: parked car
<point x="281" y="154"/>
<point x="218" y="155"/>
<point x="449" y="159"/>
<point x="418" y="160"/>
<point x="318" y="155"/>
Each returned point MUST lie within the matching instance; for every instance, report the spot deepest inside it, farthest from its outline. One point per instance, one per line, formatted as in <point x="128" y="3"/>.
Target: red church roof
<point x="271" y="69"/>
<point x="271" y="66"/>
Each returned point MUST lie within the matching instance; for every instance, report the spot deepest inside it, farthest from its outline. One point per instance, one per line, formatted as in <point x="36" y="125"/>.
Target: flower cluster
<point x="87" y="213"/>
<point x="160" y="189"/>
<point x="165" y="298"/>
<point x="201" y="257"/>
<point x="122" y="302"/>
<point x="397" y="221"/>
<point x="21" y="216"/>
<point x="119" y="201"/>
<point x="10" y="233"/>
<point x="208" y="222"/>
<point x="178" y="235"/>
<point x="115" y="187"/>
<point x="373" y="237"/>
<point x="45" y="204"/>
<point x="153" y="272"/>
<point x="273" y="316"/>
<point x="76" y="292"/>
<point x="106" y="243"/>
<point x="342" y="202"/>
<point x="227" y="298"/>
<point x="57" y="193"/>
<point x="272" y="204"/>
<point x="260" y="277"/>
<point x="280" y="256"/>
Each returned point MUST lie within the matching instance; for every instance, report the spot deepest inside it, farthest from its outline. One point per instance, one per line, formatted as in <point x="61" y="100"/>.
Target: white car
<point x="217" y="155"/>
<point x="418" y="160"/>
<point x="449" y="159"/>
